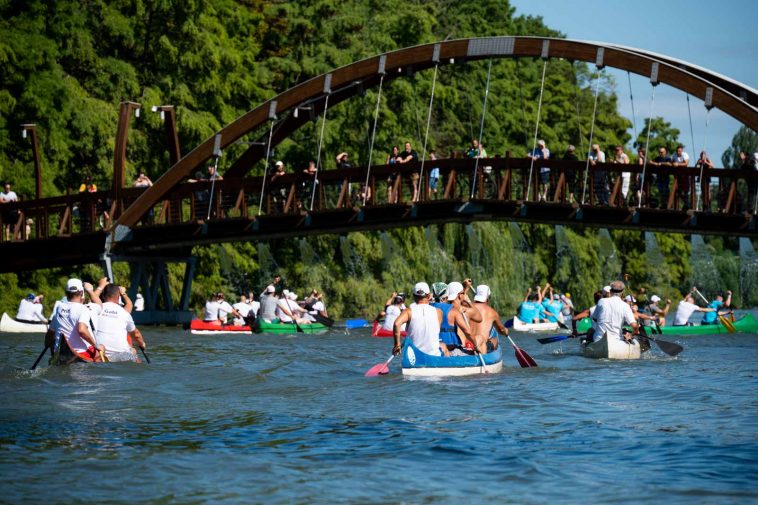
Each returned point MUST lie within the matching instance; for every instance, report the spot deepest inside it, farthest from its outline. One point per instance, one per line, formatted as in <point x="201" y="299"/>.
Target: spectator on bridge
<point x="278" y="194"/>
<point x="410" y="156"/>
<point x="434" y="173"/>
<point x="637" y="186"/>
<point x="682" y="159"/>
<point x="343" y="163"/>
<point x="308" y="183"/>
<point x="750" y="166"/>
<point x="704" y="186"/>
<point x="570" y="173"/>
<point x="213" y="174"/>
<point x="476" y="150"/>
<point x="88" y="186"/>
<point x="541" y="152"/>
<point x="600" y="185"/>
<point x="621" y="158"/>
<point x="142" y="181"/>
<point x="9" y="216"/>
<point x="662" y="180"/>
<point x="392" y="160"/>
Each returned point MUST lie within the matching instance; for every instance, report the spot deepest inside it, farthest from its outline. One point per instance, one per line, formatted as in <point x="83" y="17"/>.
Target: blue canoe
<point x="416" y="362"/>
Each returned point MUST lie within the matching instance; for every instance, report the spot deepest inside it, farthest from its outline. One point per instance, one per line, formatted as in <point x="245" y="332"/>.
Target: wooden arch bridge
<point x="167" y="219"/>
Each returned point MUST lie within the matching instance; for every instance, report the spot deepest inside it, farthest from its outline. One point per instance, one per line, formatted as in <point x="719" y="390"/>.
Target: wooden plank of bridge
<point x="288" y="205"/>
<point x="344" y="198"/>
<point x="450" y="186"/>
<point x="731" y="200"/>
<point x="164" y="211"/>
<point x="65" y="220"/>
<point x="672" y="194"/>
<point x="616" y="194"/>
<point x="560" y="187"/>
<point x="241" y="201"/>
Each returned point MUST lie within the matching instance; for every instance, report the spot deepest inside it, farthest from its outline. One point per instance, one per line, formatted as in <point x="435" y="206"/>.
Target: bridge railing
<point x="726" y="191"/>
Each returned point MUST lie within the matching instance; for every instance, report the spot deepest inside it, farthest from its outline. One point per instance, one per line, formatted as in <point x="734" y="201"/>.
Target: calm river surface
<point x="291" y="419"/>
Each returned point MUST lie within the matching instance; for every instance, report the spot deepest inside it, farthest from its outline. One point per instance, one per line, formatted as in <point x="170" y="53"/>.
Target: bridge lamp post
<point x="168" y="116"/>
<point x="30" y="129"/>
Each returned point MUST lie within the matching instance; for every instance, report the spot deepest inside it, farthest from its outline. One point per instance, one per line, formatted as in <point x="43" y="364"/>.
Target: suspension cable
<point x="426" y="135"/>
<point x="701" y="202"/>
<point x="536" y="129"/>
<point x="647" y="145"/>
<point x="692" y="132"/>
<point x="265" y="168"/>
<point x="631" y="100"/>
<point x="578" y="115"/>
<point x="318" y="154"/>
<point x="373" y="136"/>
<point x="481" y="126"/>
<point x="592" y="135"/>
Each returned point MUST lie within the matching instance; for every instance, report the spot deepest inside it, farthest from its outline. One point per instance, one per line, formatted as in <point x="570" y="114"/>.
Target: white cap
<point x="540" y="142"/>
<point x="270" y="288"/>
<point x="291" y="296"/>
<point x="655" y="298"/>
<point x="421" y="289"/>
<point x="607" y="289"/>
<point x="139" y="295"/>
<point x="453" y="290"/>
<point x="482" y="293"/>
<point x="74" y="285"/>
<point x="279" y="164"/>
<point x="629" y="298"/>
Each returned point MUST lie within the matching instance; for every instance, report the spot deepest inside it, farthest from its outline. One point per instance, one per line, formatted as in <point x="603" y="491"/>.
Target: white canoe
<point x="612" y="349"/>
<point x="519" y="325"/>
<point x="10" y="325"/>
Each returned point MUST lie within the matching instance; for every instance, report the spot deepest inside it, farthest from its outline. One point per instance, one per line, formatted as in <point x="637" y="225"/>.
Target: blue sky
<point x="720" y="36"/>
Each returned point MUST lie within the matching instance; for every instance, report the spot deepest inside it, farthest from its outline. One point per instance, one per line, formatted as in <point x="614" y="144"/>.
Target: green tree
<point x="662" y="134"/>
<point x="745" y="141"/>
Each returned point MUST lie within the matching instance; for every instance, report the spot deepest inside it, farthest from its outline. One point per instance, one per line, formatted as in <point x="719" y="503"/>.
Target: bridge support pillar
<point x="149" y="276"/>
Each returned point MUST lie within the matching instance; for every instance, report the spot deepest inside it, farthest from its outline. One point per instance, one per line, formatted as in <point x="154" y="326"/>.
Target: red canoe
<point x="378" y="331"/>
<point x="201" y="327"/>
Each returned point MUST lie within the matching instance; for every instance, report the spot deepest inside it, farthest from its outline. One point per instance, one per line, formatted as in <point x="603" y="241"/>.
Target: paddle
<point x="39" y="357"/>
<point x="669" y="348"/>
<point x="522" y="357"/>
<point x="326" y="321"/>
<point x="294" y="317"/>
<point x="558" y="338"/>
<point x="144" y="354"/>
<point x="508" y="323"/>
<point x="380" y="368"/>
<point x="724" y="321"/>
<point x="355" y="323"/>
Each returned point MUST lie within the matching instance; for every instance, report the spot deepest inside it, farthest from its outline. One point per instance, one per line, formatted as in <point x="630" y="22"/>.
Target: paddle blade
<point x="326" y="321"/>
<point x="522" y="357"/>
<point x="727" y="324"/>
<point x="380" y="368"/>
<point x="355" y="323"/>
<point x="669" y="348"/>
<point x="39" y="358"/>
<point x="550" y="340"/>
<point x="509" y="323"/>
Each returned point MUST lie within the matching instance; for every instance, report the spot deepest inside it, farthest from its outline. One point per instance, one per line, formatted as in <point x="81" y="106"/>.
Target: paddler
<point x="115" y="327"/>
<point x="71" y="320"/>
<point x="612" y="314"/>
<point x="393" y="307"/>
<point x="30" y="310"/>
<point x="423" y="324"/>
<point x="716" y="304"/>
<point x="458" y="333"/>
<point x="531" y="310"/>
<point x="490" y="318"/>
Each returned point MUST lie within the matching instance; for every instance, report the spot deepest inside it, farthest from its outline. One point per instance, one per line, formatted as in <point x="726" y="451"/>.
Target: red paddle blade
<point x="522" y="357"/>
<point x="379" y="369"/>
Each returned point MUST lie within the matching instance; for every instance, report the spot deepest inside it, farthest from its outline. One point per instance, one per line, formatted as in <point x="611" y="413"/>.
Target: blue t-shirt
<point x="711" y="317"/>
<point x="555" y="307"/>
<point x="528" y="311"/>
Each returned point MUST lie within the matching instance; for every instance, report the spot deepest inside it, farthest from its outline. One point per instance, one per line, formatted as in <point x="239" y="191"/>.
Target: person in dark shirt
<point x="662" y="180"/>
<point x="410" y="156"/>
<point x="570" y="155"/>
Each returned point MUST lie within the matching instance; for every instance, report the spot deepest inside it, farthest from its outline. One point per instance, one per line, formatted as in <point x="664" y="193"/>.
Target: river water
<point x="292" y="419"/>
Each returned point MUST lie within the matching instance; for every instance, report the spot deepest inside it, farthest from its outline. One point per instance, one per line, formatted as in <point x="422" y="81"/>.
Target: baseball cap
<point x="482" y="293"/>
<point x="571" y="148"/>
<point x="629" y="298"/>
<point x="279" y="164"/>
<point x="655" y="298"/>
<point x="454" y="289"/>
<point x="607" y="289"/>
<point x="30" y="296"/>
<point x="421" y="289"/>
<point x="74" y="285"/>
<point x="540" y="142"/>
<point x="270" y="288"/>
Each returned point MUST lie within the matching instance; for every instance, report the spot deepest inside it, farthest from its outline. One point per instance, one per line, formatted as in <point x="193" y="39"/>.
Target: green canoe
<point x="746" y="324"/>
<point x="287" y="328"/>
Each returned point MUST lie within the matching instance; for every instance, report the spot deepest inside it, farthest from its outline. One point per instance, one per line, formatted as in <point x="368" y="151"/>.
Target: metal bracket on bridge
<point x="708" y="101"/>
<point x="599" y="58"/>
<point x="545" y="49"/>
<point x="654" y="74"/>
<point x="382" y="65"/>
<point x="436" y="53"/>
<point x="271" y="110"/>
<point x="328" y="84"/>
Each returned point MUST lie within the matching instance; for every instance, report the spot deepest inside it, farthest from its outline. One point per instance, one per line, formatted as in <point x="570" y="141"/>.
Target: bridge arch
<point x="733" y="98"/>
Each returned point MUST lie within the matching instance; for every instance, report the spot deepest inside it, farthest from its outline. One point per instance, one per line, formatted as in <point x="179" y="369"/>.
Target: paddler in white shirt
<point x="115" y="327"/>
<point x="71" y="321"/>
<point x="423" y="324"/>
<point x="612" y="314"/>
<point x="30" y="310"/>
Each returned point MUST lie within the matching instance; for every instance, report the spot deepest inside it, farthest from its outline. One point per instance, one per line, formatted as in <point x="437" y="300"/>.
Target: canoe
<point x="417" y="363"/>
<point x="612" y="349"/>
<point x="10" y="325"/>
<point x="519" y="325"/>
<point x="378" y="331"/>
<point x="198" y="327"/>
<point x="287" y="328"/>
<point x="65" y="355"/>
<point x="746" y="324"/>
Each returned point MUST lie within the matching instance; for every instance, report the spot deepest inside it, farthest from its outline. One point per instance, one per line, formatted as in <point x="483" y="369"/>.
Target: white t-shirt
<point x="244" y="309"/>
<point x="255" y="307"/>
<point x="139" y="303"/>
<point x="66" y="319"/>
<point x="113" y="324"/>
<point x="390" y="314"/>
<point x="424" y="328"/>
<point x="94" y="310"/>
<point x="8" y="197"/>
<point x="683" y="312"/>
<point x="223" y="309"/>
<point x="30" y="311"/>
<point x="215" y="310"/>
<point x="611" y="314"/>
<point x="282" y="305"/>
<point x="317" y="307"/>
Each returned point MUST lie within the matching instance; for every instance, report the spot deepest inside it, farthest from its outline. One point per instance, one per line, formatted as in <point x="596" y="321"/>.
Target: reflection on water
<point x="283" y="419"/>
